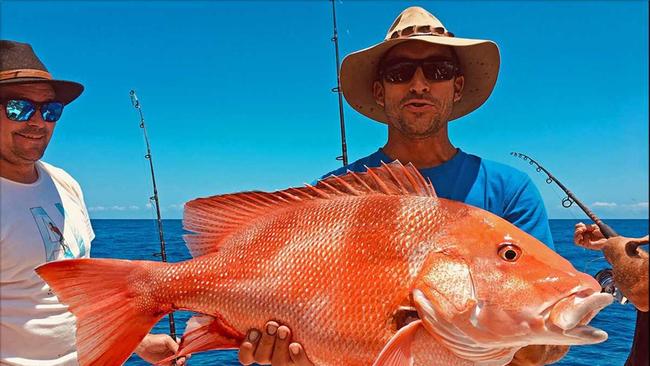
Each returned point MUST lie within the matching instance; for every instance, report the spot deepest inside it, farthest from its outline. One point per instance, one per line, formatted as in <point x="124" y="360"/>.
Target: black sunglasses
<point x="402" y="70"/>
<point x="21" y="110"/>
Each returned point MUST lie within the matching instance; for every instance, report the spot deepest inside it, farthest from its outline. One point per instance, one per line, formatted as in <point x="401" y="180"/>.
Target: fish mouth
<point x="569" y="317"/>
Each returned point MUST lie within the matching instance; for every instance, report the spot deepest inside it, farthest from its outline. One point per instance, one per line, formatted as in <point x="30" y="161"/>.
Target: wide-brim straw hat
<point x="20" y="65"/>
<point x="478" y="59"/>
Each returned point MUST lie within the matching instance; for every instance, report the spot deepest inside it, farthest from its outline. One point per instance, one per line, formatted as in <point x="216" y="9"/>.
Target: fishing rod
<point x="568" y="201"/>
<point x="154" y="198"/>
<point x="604" y="276"/>
<point x="335" y="38"/>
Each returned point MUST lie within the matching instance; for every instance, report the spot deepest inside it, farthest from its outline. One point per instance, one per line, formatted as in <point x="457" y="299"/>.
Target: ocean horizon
<point x="138" y="239"/>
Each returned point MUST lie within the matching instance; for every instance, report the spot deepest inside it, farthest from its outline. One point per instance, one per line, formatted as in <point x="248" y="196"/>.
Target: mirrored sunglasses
<point x="402" y="70"/>
<point x="21" y="110"/>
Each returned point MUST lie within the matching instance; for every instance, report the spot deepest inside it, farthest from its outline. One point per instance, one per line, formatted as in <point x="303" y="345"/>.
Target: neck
<point x="424" y="153"/>
<point x="21" y="173"/>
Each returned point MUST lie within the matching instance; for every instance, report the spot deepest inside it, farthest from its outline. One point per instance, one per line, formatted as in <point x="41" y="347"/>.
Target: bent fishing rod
<point x="568" y="201"/>
<point x="604" y="276"/>
<point x="335" y="38"/>
<point x="154" y="198"/>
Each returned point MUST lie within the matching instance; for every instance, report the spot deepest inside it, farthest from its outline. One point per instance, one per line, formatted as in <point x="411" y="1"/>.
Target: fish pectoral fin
<point x="206" y="332"/>
<point x="397" y="352"/>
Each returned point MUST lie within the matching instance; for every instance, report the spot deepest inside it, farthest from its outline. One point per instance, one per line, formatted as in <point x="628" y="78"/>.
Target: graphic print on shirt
<point x="53" y="239"/>
<point x="81" y="244"/>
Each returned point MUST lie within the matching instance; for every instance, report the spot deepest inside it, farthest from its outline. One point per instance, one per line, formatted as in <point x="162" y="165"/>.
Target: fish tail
<point x="112" y="302"/>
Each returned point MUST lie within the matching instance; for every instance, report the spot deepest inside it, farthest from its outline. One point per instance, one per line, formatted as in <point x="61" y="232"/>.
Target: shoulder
<point x="61" y="177"/>
<point x="502" y="179"/>
<point x="502" y="171"/>
<point x="56" y="171"/>
<point x="508" y="184"/>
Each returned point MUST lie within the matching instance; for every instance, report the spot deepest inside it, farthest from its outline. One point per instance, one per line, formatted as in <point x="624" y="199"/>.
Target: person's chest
<point x="472" y="187"/>
<point x="38" y="225"/>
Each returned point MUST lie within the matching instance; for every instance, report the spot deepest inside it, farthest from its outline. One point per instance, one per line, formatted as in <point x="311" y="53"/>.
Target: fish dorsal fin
<point x="213" y="219"/>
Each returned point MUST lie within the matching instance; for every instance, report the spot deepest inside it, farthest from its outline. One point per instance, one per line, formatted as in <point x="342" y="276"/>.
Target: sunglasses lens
<point x="439" y="70"/>
<point x="19" y="110"/>
<point x="51" y="112"/>
<point x="400" y="72"/>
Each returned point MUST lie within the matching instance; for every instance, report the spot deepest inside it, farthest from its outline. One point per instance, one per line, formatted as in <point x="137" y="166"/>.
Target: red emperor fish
<point x="338" y="262"/>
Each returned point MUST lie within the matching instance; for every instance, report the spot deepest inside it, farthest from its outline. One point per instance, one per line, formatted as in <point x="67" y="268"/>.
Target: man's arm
<point x="629" y="262"/>
<point x="630" y="269"/>
<point x="525" y="209"/>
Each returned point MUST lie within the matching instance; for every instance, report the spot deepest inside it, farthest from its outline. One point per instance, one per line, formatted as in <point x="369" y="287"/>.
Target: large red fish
<point x="337" y="263"/>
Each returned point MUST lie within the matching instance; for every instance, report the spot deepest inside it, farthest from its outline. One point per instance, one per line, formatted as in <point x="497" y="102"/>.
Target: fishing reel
<point x="605" y="278"/>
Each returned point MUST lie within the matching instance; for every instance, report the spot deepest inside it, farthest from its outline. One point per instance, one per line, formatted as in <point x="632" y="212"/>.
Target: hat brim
<point x="64" y="91"/>
<point x="479" y="62"/>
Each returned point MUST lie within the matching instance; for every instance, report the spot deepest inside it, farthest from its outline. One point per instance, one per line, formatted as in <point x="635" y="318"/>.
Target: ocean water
<point x="138" y="239"/>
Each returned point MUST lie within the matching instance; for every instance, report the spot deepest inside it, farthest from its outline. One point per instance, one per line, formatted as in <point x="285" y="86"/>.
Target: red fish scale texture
<point x="335" y="275"/>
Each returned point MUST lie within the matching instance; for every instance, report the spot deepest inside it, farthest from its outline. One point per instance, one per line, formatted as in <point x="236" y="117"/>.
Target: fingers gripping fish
<point x="336" y="262"/>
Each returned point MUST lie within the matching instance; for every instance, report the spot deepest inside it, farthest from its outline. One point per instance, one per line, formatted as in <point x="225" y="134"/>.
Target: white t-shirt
<point x="39" y="222"/>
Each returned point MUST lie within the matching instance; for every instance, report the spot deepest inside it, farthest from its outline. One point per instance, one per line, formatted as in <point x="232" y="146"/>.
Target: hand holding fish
<point x="273" y="347"/>
<point x="537" y="355"/>
<point x="157" y="347"/>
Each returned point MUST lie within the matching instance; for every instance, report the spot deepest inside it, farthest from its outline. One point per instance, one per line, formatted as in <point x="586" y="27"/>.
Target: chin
<point x="421" y="131"/>
<point x="31" y="155"/>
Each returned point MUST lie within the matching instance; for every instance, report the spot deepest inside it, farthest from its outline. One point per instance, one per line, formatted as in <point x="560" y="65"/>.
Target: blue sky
<point x="237" y="96"/>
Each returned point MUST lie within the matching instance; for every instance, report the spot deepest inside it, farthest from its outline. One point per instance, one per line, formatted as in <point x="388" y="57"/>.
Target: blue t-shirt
<point x="498" y="188"/>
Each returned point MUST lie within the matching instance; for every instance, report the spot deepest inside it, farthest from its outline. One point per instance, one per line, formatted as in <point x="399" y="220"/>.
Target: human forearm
<point x="630" y="268"/>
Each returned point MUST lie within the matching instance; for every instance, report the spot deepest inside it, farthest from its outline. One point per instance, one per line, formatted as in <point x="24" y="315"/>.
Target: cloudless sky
<point x="236" y="95"/>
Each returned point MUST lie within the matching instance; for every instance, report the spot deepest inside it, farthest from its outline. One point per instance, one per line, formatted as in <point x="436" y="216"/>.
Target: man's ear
<point x="378" y="93"/>
<point x="459" y="84"/>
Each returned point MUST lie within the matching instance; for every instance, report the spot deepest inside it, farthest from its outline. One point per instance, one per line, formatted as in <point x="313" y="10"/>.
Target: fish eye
<point x="509" y="252"/>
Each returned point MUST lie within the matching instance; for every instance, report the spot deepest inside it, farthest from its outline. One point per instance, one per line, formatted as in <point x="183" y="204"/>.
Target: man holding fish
<point x="416" y="81"/>
<point x="43" y="218"/>
<point x="347" y="262"/>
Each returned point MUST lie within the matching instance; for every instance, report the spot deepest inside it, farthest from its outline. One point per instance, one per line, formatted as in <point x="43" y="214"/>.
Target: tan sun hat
<point x="479" y="63"/>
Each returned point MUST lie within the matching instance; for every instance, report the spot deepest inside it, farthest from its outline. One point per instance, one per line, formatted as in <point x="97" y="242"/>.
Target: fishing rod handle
<point x="607" y="231"/>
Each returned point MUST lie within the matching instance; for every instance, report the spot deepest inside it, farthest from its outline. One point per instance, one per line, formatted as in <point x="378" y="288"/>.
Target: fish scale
<point x="339" y="263"/>
<point x="277" y="276"/>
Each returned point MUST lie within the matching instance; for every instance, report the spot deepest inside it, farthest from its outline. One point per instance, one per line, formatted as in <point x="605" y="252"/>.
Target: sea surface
<point x="138" y="239"/>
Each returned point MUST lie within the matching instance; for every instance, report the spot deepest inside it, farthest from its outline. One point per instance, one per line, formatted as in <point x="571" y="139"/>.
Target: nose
<point x="419" y="83"/>
<point x="36" y="119"/>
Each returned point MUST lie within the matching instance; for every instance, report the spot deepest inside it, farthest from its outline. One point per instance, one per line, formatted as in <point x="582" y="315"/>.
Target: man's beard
<point x="30" y="153"/>
<point x="410" y="131"/>
<point x="431" y="127"/>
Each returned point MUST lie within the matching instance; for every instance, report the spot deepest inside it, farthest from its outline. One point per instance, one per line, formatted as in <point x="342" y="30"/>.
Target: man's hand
<point x="157" y="347"/>
<point x="589" y="237"/>
<point x="272" y="347"/>
<point x="537" y="355"/>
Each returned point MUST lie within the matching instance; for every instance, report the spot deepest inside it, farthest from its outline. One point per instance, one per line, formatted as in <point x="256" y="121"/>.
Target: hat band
<point x="423" y="30"/>
<point x="24" y="73"/>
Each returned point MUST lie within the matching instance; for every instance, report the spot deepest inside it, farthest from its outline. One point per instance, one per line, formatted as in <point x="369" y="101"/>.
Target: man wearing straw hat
<point x="43" y="218"/>
<point x="416" y="81"/>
